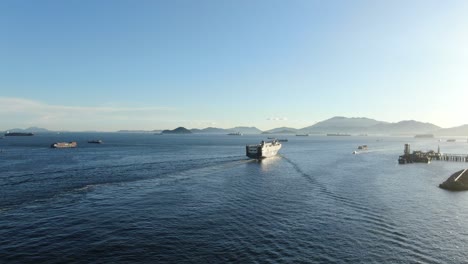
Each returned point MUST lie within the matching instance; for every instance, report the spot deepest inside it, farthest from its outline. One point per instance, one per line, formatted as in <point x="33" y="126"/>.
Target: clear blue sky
<point x="109" y="65"/>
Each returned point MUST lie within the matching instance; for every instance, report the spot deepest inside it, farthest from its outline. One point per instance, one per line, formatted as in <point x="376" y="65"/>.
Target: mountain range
<point x="337" y="124"/>
<point x="363" y="125"/>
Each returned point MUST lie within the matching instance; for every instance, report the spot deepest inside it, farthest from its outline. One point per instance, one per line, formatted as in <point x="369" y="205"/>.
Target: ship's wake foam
<point x="23" y="188"/>
<point x="372" y="220"/>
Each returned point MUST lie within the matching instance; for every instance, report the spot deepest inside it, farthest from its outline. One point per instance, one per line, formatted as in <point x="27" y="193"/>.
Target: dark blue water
<point x="197" y="198"/>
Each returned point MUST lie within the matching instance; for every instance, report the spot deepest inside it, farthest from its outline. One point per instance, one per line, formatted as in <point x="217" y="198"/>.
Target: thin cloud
<point x="9" y="105"/>
<point x="277" y="119"/>
<point x="31" y="112"/>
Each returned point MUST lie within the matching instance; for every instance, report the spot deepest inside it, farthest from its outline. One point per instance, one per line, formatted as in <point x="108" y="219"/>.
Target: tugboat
<point x="64" y="145"/>
<point x="263" y="150"/>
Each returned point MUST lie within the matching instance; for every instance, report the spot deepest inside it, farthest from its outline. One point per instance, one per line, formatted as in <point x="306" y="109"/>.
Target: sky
<point x="110" y="65"/>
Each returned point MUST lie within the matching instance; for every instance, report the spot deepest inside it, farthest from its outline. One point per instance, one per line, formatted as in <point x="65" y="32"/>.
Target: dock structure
<point x="427" y="157"/>
<point x="454" y="157"/>
<point x="415" y="157"/>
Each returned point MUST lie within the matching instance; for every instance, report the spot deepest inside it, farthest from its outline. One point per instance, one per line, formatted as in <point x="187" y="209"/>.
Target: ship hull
<point x="18" y="134"/>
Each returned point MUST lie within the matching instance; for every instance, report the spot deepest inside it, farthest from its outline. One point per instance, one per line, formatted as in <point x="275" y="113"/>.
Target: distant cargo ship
<point x="424" y="136"/>
<point x="263" y="150"/>
<point x="95" y="141"/>
<point x="235" y="134"/>
<point x="451" y="140"/>
<point x="279" y="140"/>
<point x="302" y="135"/>
<point x="17" y="134"/>
<point x="64" y="145"/>
<point x="338" y="135"/>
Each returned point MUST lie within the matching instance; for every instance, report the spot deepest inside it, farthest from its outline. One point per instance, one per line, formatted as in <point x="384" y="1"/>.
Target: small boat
<point x="72" y="144"/>
<point x="355" y="152"/>
<point x="98" y="141"/>
<point x="362" y="147"/>
<point x="283" y="140"/>
<point x="451" y="140"/>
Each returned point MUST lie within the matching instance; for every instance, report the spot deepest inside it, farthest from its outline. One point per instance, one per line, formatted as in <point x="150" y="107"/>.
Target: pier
<point x="453" y="157"/>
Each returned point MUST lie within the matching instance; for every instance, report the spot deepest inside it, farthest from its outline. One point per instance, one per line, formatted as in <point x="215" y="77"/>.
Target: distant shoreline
<point x="335" y="125"/>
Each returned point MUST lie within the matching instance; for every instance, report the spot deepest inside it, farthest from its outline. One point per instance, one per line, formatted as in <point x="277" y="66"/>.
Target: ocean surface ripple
<point x="198" y="199"/>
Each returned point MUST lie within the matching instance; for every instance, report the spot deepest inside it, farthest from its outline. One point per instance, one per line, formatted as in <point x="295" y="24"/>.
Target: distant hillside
<point x="245" y="130"/>
<point x="339" y="124"/>
<point x="281" y="130"/>
<point x="210" y="130"/>
<point x="216" y="130"/>
<point x="179" y="130"/>
<point x="358" y="125"/>
<point x="407" y="127"/>
<point x="454" y="131"/>
<point x="195" y="130"/>
<point x="30" y="129"/>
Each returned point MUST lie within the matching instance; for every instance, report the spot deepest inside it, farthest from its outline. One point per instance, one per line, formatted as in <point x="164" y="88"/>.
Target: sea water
<point x="197" y="198"/>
